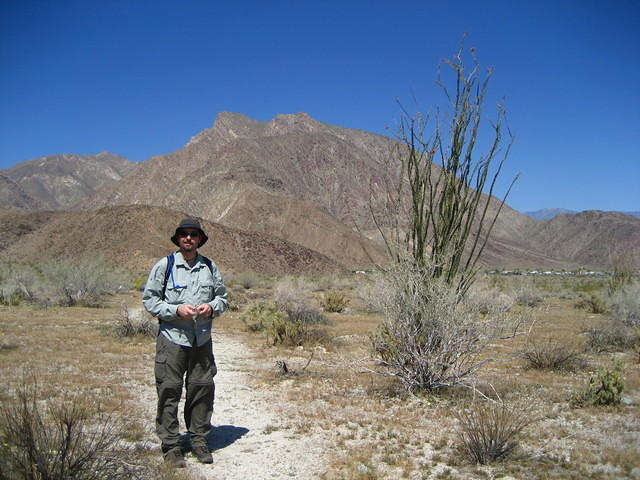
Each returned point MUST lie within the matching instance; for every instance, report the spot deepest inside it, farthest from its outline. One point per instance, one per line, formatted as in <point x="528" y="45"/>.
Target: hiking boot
<point x="203" y="454"/>
<point x="174" y="458"/>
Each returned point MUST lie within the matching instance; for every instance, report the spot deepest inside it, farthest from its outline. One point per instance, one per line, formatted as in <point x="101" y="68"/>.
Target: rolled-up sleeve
<point x="152" y="296"/>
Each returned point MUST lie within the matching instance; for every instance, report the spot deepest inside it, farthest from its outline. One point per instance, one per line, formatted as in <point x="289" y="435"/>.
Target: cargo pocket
<point x="161" y="367"/>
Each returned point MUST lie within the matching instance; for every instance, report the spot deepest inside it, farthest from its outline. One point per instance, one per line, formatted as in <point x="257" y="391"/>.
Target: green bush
<point x="285" y="331"/>
<point x="139" y="283"/>
<point x="261" y="315"/>
<point x="605" y="388"/>
<point x="334" y="302"/>
<point x="281" y="327"/>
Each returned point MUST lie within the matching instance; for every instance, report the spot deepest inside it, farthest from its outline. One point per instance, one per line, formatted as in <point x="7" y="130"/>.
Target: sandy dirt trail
<point x="249" y="439"/>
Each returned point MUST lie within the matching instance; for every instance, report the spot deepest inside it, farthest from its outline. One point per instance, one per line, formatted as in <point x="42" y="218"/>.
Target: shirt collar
<point x="181" y="261"/>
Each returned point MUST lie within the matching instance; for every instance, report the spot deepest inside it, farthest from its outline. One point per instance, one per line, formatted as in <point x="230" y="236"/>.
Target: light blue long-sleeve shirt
<point x="195" y="285"/>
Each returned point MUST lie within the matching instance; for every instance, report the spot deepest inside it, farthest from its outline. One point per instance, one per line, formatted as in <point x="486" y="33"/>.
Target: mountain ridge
<point x="57" y="182"/>
<point x="313" y="184"/>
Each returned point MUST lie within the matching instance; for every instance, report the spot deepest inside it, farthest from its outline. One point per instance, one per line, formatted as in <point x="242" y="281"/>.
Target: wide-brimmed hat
<point x="190" y="223"/>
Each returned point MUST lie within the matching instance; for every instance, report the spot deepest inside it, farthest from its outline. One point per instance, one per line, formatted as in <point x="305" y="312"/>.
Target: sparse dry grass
<point x="71" y="350"/>
<point x="381" y="432"/>
<point x="377" y="431"/>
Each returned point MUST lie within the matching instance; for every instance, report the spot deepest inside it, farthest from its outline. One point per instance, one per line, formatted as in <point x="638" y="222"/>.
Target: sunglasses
<point x="187" y="234"/>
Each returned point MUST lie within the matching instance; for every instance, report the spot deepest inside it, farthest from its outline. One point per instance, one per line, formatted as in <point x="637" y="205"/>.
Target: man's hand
<point x="205" y="310"/>
<point x="187" y="311"/>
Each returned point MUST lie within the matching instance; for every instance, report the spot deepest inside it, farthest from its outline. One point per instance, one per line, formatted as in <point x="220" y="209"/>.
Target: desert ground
<point x="329" y="416"/>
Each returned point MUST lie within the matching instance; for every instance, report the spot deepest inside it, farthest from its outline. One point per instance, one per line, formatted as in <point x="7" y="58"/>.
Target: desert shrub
<point x="260" y="315"/>
<point x="623" y="267"/>
<point x="131" y="324"/>
<point x="489" y="430"/>
<point x="593" y="304"/>
<point x="17" y="283"/>
<point x="549" y="354"/>
<point x="275" y="323"/>
<point x="83" y="282"/>
<point x="370" y="293"/>
<point x="286" y="331"/>
<point x="625" y="304"/>
<point x="139" y="283"/>
<point x="605" y="388"/>
<point x="333" y="301"/>
<point x="611" y="334"/>
<point x="282" y="327"/>
<point x="246" y="280"/>
<point x="10" y="297"/>
<point x="527" y="295"/>
<point x="66" y="438"/>
<point x="484" y="298"/>
<point x="432" y="208"/>
<point x="293" y="294"/>
<point x="235" y="300"/>
<point x="429" y="337"/>
<point x="308" y="317"/>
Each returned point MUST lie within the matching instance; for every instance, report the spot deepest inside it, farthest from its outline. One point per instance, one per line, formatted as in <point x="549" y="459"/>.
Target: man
<point x="185" y="298"/>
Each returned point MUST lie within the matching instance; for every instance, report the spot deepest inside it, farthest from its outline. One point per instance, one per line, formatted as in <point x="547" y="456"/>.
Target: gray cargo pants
<point x="172" y="363"/>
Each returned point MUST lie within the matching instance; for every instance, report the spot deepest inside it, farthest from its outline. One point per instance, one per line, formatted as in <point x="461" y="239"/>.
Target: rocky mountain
<point x="587" y="238"/>
<point x="549" y="213"/>
<point x="57" y="182"/>
<point x="310" y="184"/>
<point x="13" y="196"/>
<point x="135" y="237"/>
<point x="294" y="177"/>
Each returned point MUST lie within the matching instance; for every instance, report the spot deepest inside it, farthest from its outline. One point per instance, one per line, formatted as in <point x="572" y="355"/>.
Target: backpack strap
<point x="208" y="263"/>
<point x="170" y="261"/>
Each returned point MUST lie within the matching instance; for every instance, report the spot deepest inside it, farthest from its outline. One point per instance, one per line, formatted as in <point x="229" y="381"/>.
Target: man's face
<point x="188" y="239"/>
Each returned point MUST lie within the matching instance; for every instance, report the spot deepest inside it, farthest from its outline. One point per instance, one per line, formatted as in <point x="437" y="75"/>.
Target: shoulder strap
<point x="207" y="261"/>
<point x="170" y="261"/>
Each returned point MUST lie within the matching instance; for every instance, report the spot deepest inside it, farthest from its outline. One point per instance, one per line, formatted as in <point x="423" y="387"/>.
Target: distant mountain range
<point x="57" y="182"/>
<point x="549" y="213"/>
<point x="289" y="195"/>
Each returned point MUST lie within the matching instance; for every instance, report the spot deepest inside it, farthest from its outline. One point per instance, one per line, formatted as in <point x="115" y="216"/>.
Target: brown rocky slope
<point x="294" y="177"/>
<point x="134" y="237"/>
<point x="309" y="183"/>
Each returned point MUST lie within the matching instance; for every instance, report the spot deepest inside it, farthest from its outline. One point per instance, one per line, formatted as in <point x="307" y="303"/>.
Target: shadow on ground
<point x="224" y="435"/>
<point x="219" y="437"/>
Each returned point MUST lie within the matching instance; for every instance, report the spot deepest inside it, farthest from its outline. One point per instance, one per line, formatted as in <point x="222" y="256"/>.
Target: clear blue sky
<point x="139" y="78"/>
